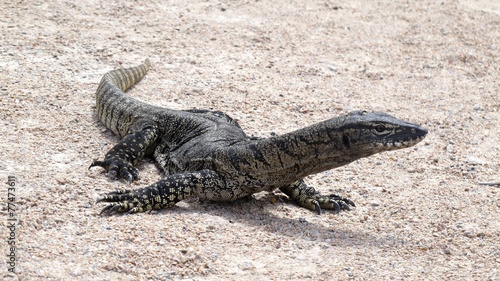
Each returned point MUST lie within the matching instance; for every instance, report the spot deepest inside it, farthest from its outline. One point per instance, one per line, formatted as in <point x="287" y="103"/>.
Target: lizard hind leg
<point x="307" y="197"/>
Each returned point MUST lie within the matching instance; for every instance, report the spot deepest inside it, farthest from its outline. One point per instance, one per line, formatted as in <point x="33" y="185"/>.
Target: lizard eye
<point x="380" y="129"/>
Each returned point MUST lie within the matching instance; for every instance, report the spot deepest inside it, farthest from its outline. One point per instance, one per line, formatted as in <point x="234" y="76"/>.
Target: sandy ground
<point x="275" y="66"/>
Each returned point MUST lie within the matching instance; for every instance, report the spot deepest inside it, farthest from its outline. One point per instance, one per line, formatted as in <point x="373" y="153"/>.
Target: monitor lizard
<point x="207" y="154"/>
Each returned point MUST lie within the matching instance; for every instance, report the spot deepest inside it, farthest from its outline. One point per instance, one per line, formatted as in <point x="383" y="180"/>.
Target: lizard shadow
<point x="281" y="220"/>
<point x="260" y="214"/>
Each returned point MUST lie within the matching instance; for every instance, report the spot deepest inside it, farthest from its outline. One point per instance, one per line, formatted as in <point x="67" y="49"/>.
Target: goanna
<point x="207" y="154"/>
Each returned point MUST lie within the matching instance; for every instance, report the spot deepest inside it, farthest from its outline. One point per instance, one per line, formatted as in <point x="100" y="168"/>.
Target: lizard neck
<point x="306" y="151"/>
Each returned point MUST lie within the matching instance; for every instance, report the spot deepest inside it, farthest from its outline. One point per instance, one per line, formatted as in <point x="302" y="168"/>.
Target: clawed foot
<point x="118" y="168"/>
<point x="331" y="202"/>
<point x="307" y="197"/>
<point x="162" y="194"/>
<point x="128" y="201"/>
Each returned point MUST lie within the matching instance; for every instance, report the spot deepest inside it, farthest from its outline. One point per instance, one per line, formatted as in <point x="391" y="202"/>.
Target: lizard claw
<point x="129" y="201"/>
<point x="317" y="207"/>
<point x="307" y="197"/>
<point x="117" y="207"/>
<point x="118" y="168"/>
<point x="333" y="205"/>
<point x="335" y="202"/>
<point x="107" y="209"/>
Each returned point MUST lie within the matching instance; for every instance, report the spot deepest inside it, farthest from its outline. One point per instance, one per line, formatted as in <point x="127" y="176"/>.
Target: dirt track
<point x="274" y="66"/>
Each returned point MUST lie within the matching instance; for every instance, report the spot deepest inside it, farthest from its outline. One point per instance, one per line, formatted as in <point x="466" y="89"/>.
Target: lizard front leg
<point x="120" y="160"/>
<point x="307" y="197"/>
<point x="163" y="194"/>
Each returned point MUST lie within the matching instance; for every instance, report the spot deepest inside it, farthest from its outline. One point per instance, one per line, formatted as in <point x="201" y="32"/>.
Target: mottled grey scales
<point x="207" y="154"/>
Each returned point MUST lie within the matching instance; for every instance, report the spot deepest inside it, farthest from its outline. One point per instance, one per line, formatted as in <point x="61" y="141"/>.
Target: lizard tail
<point x="125" y="78"/>
<point x="114" y="108"/>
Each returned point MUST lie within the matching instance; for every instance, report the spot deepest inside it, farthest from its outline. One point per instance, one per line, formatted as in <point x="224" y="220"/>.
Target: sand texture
<point x="275" y="66"/>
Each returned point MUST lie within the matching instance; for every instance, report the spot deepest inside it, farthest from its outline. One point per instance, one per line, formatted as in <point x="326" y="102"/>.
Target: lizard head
<point x="373" y="132"/>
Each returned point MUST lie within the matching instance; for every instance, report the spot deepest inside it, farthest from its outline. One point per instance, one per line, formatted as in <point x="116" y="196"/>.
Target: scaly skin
<point x="207" y="154"/>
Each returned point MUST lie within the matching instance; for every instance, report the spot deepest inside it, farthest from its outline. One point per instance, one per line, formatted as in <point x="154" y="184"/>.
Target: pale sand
<point x="275" y="66"/>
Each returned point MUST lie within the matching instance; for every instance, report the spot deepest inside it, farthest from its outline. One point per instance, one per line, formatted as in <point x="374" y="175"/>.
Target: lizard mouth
<point x="404" y="143"/>
<point x="413" y="137"/>
<point x="404" y="139"/>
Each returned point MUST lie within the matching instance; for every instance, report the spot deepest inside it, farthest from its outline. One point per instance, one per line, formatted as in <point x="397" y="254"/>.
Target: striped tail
<point x="116" y="110"/>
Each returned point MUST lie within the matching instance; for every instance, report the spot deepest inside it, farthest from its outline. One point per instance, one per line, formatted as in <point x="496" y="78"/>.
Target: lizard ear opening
<point x="346" y="141"/>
